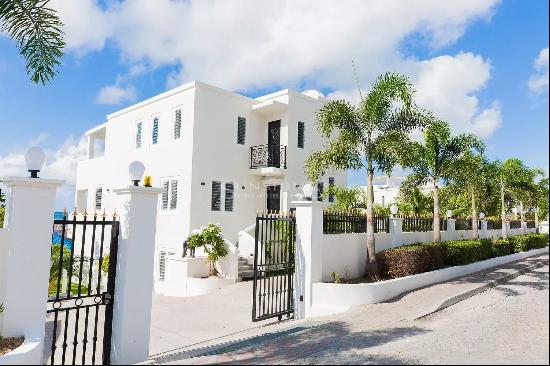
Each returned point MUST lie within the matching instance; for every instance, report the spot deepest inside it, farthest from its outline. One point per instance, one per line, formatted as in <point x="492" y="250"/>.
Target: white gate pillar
<point x="25" y="257"/>
<point x="137" y="207"/>
<point x="483" y="232"/>
<point x="396" y="228"/>
<point x="309" y="254"/>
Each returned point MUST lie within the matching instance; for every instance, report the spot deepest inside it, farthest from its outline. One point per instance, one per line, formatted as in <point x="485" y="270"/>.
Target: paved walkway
<point x="391" y="332"/>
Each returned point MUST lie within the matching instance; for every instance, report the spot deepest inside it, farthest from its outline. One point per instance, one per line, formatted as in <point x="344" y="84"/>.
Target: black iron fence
<point x="494" y="224"/>
<point x="268" y="156"/>
<point x="338" y="222"/>
<point x="417" y="224"/>
<point x="531" y="224"/>
<point x="463" y="224"/>
<point x="515" y="224"/>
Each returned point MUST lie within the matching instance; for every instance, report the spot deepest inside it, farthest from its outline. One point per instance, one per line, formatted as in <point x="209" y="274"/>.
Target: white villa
<point x="218" y="156"/>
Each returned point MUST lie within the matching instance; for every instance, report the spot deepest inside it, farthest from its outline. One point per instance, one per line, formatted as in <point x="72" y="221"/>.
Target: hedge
<point x="411" y="259"/>
<point x="418" y="258"/>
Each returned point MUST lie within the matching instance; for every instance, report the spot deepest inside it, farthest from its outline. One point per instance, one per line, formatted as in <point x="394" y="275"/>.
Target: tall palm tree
<point x="366" y="136"/>
<point x="470" y="175"/>
<point x="435" y="159"/>
<point x="36" y="28"/>
<point x="517" y="183"/>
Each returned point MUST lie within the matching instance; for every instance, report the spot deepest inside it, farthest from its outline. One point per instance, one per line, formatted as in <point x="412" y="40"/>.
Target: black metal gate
<point x="81" y="290"/>
<point x="273" y="287"/>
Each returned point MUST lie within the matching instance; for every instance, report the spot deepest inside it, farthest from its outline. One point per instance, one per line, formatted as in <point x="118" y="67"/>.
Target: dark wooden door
<point x="273" y="198"/>
<point x="274" y="144"/>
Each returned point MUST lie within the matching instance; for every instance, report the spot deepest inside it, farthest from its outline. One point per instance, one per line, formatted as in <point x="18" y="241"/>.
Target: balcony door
<point x="273" y="198"/>
<point x="274" y="144"/>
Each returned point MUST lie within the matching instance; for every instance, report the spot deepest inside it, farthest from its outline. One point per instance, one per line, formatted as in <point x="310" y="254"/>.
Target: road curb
<point x="465" y="295"/>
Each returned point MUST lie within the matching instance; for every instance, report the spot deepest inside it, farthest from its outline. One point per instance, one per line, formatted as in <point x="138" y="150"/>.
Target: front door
<point x="274" y="144"/>
<point x="274" y="198"/>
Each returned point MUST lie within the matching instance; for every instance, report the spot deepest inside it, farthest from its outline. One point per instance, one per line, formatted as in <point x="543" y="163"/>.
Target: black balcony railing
<point x="268" y="156"/>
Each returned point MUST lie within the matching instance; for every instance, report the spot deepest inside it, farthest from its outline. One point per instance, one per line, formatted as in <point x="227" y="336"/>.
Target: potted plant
<point x="210" y="239"/>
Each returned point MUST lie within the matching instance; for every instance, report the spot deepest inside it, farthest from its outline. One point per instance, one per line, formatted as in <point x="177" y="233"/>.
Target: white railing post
<point x="309" y="254"/>
<point x="451" y="229"/>
<point x="25" y="257"/>
<point x="483" y="232"/>
<point x="137" y="207"/>
<point x="396" y="228"/>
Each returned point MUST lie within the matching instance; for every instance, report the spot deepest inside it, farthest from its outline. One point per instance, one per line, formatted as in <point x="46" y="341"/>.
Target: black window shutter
<point x="320" y="187"/>
<point x="330" y="185"/>
<point x="177" y="124"/>
<point x="164" y="203"/>
<point x="98" y="198"/>
<point x="216" y="196"/>
<point x="173" y="194"/>
<point x="241" y="130"/>
<point x="301" y="134"/>
<point x="229" y="189"/>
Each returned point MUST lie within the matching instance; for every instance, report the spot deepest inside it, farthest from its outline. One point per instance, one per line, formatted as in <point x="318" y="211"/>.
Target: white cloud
<point x="243" y="45"/>
<point x="60" y="164"/>
<point x="538" y="82"/>
<point x="113" y="94"/>
<point x="447" y="86"/>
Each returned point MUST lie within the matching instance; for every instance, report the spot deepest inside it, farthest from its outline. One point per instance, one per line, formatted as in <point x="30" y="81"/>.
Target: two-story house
<point x="218" y="156"/>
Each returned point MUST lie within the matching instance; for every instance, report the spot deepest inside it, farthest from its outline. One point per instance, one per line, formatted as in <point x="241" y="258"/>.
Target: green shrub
<point x="502" y="247"/>
<point x="460" y="252"/>
<point x="522" y="243"/>
<point x="411" y="259"/>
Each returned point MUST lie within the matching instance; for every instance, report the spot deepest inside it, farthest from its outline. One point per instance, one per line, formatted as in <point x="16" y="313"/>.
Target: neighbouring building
<point x="218" y="156"/>
<point x="386" y="189"/>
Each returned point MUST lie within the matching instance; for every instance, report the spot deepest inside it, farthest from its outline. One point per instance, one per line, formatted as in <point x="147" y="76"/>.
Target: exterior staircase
<point x="246" y="268"/>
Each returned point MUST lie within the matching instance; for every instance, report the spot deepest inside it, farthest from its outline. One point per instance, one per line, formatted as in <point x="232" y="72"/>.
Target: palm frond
<point x="37" y="32"/>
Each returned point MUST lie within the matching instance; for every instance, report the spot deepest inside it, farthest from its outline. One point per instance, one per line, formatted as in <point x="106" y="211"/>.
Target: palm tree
<point x="37" y="32"/>
<point x="435" y="159"/>
<point x="366" y="136"/>
<point x="470" y="175"/>
<point x="516" y="182"/>
<point x="540" y="199"/>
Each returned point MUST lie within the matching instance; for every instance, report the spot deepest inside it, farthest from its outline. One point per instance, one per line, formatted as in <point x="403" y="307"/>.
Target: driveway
<point x="508" y="324"/>
<point x="191" y="322"/>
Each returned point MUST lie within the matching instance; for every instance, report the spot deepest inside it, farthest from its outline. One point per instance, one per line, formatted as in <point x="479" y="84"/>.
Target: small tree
<point x="368" y="136"/>
<point x="210" y="239"/>
<point x="347" y="198"/>
<point x="436" y="158"/>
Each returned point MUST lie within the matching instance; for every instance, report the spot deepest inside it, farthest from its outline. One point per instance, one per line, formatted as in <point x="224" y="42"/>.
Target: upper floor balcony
<point x="268" y="160"/>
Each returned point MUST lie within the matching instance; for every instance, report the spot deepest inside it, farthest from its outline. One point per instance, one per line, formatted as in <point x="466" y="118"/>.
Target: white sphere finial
<point x="394" y="209"/>
<point x="308" y="191"/>
<point x="35" y="158"/>
<point x="136" y="170"/>
<point x="482" y="215"/>
<point x="449" y="214"/>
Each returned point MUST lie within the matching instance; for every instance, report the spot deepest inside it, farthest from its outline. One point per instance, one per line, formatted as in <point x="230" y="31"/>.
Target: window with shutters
<point x="241" y="130"/>
<point x="173" y="194"/>
<point x="177" y="124"/>
<point x="320" y="187"/>
<point x="139" y="127"/>
<point x="229" y="192"/>
<point x="98" y="198"/>
<point x="165" y="194"/>
<point x="301" y="134"/>
<point x="162" y="265"/>
<point x="216" y="196"/>
<point x="155" y="130"/>
<point x="330" y="186"/>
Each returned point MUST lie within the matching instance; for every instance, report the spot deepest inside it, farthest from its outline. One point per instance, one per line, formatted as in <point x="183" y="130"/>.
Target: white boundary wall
<point x="332" y="298"/>
<point x="346" y="254"/>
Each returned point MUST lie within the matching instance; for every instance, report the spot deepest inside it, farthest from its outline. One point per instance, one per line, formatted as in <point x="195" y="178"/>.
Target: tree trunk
<point x="522" y="217"/>
<point x="372" y="265"/>
<point x="503" y="209"/>
<point x="437" y="229"/>
<point x="475" y="231"/>
<point x="537" y="219"/>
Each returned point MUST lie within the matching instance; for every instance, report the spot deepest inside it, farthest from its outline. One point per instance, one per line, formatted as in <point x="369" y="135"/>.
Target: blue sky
<point x="472" y="60"/>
